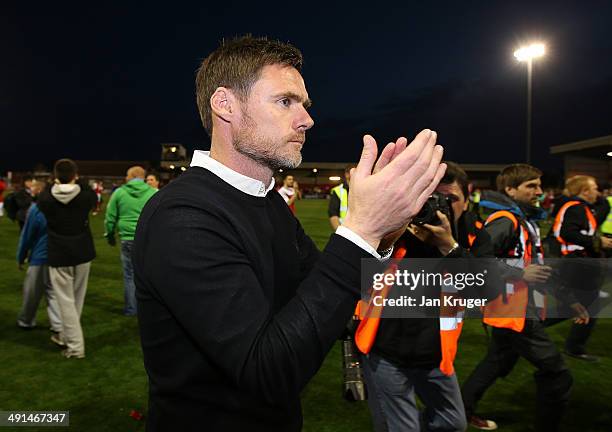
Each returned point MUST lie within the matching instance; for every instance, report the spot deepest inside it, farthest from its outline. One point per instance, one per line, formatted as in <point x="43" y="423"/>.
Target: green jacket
<point x="124" y="207"/>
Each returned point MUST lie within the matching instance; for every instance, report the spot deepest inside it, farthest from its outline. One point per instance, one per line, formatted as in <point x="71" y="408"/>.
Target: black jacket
<point x="578" y="271"/>
<point x="237" y="308"/>
<point x="575" y="223"/>
<point x="23" y="200"/>
<point x="415" y="342"/>
<point x="70" y="240"/>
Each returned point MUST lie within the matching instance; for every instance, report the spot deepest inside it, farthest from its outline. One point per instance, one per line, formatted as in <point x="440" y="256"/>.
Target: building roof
<point x="593" y="145"/>
<point x="471" y="167"/>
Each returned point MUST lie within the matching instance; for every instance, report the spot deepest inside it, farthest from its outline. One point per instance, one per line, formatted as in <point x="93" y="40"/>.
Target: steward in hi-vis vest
<point x="341" y="193"/>
<point x="578" y="226"/>
<point x="407" y="355"/>
<point x="338" y="200"/>
<point x="516" y="314"/>
<point x="575" y="230"/>
<point x="606" y="226"/>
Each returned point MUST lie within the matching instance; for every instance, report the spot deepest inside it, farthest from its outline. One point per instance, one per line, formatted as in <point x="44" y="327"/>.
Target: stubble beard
<point x="262" y="149"/>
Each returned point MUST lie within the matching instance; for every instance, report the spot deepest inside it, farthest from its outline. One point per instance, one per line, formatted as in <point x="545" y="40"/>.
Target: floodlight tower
<point x="528" y="54"/>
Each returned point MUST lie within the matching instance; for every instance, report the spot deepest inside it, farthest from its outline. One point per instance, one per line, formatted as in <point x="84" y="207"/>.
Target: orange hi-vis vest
<point x="508" y="310"/>
<point x="472" y="236"/>
<point x="451" y="320"/>
<point x="567" y="247"/>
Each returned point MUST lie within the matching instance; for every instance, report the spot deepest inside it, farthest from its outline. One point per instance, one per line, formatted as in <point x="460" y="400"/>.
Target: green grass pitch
<point x="101" y="390"/>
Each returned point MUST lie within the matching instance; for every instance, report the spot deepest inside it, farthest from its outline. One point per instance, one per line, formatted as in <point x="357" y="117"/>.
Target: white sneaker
<point x="70" y="354"/>
<point x="56" y="338"/>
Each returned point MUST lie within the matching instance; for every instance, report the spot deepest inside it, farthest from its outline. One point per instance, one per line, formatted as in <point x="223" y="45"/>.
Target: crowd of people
<point x="502" y="223"/>
<point x="237" y="308"/>
<point x="56" y="243"/>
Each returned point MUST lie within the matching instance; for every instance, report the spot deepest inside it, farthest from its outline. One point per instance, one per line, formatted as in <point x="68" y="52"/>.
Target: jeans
<point x="395" y="388"/>
<point x="128" y="277"/>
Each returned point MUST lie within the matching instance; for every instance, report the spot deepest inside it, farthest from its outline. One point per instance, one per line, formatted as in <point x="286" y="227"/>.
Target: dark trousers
<point x="553" y="379"/>
<point x="584" y="278"/>
<point x="579" y="333"/>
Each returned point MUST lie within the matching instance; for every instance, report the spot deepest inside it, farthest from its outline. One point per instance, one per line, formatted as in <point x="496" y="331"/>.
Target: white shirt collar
<point x="241" y="182"/>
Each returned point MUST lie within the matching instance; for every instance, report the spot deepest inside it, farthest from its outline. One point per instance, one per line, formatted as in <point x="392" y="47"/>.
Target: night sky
<point x="102" y="82"/>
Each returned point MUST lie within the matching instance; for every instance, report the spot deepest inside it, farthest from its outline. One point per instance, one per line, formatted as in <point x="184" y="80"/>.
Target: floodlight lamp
<point x="530" y="52"/>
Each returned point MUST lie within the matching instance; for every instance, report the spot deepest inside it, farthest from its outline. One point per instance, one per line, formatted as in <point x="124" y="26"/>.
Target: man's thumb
<point x="368" y="157"/>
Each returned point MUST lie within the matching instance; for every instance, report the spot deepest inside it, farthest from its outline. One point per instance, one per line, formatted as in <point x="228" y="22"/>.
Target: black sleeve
<point x="495" y="239"/>
<point x="602" y="208"/>
<point x="23" y="200"/>
<point x="483" y="245"/>
<point x="334" y="205"/>
<point x="477" y="264"/>
<point x="43" y="201"/>
<point x="195" y="263"/>
<point x="308" y="252"/>
<point x="574" y="220"/>
<point x="560" y="290"/>
<point x="92" y="198"/>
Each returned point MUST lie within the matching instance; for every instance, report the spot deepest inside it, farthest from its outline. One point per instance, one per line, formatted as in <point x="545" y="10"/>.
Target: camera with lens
<point x="428" y="213"/>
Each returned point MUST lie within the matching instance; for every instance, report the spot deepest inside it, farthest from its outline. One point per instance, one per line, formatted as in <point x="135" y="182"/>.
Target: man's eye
<point x="285" y="102"/>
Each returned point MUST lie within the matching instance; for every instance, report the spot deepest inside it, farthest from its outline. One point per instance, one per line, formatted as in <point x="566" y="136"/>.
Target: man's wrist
<point x="448" y="248"/>
<point x="369" y="238"/>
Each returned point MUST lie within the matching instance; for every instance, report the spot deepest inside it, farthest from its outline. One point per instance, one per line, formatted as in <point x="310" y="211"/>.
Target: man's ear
<point x="509" y="191"/>
<point x="223" y="104"/>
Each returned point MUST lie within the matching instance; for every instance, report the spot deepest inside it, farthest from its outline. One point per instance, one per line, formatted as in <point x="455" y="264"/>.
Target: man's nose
<point x="304" y="121"/>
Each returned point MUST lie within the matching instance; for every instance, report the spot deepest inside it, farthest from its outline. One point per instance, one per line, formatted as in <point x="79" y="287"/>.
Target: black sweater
<point x="237" y="308"/>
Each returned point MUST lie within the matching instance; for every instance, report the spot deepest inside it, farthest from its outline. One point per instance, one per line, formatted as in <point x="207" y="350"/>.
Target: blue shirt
<point x="33" y="239"/>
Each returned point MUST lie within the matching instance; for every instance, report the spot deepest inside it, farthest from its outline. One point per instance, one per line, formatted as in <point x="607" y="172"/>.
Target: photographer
<point x="408" y="356"/>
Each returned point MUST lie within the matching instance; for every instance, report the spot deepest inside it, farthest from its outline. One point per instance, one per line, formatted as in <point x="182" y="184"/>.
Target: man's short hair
<point x="575" y="184"/>
<point x="136" y="172"/>
<point x="454" y="173"/>
<point x="515" y="175"/>
<point x="237" y="65"/>
<point x="65" y="170"/>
